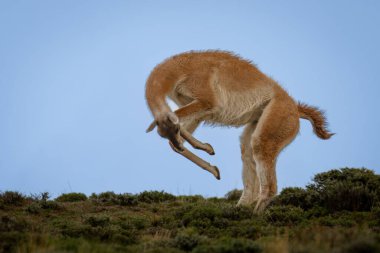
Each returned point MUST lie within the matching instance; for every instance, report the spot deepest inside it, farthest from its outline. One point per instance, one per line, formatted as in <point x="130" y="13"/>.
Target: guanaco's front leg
<point x="195" y="109"/>
<point x="197" y="160"/>
<point x="196" y="143"/>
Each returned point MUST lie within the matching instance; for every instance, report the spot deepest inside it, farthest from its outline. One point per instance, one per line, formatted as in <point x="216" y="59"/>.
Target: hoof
<point x="209" y="149"/>
<point x="216" y="172"/>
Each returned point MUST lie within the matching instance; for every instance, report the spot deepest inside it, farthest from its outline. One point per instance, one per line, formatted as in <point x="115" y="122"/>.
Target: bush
<point x="11" y="198"/>
<point x="49" y="204"/>
<point x="250" y="229"/>
<point x="229" y="245"/>
<point x="13" y="224"/>
<point x="34" y="208"/>
<point x="155" y="197"/>
<point x="347" y="189"/>
<point x="105" y="197"/>
<point x="191" y="199"/>
<point x="233" y="212"/>
<point x="284" y="215"/>
<point x="187" y="240"/>
<point x="71" y="197"/>
<point x="233" y="195"/>
<point x="126" y="237"/>
<point x="127" y="199"/>
<point x="98" y="221"/>
<point x="111" y="198"/>
<point x="347" y="196"/>
<point x="202" y="216"/>
<point x="333" y="191"/>
<point x="296" y="196"/>
<point x="134" y="222"/>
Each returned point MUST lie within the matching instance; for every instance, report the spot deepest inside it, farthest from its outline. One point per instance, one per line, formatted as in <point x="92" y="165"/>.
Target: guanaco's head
<point x="168" y="127"/>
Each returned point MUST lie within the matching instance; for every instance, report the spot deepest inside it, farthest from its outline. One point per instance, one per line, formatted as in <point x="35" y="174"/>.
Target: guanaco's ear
<point x="173" y="118"/>
<point x="151" y="126"/>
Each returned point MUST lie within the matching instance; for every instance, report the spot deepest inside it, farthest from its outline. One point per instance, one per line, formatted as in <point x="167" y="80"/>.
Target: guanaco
<point x="221" y="88"/>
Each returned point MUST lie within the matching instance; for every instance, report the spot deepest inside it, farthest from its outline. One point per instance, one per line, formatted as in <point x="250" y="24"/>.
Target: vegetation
<point x="71" y="197"/>
<point x="338" y="212"/>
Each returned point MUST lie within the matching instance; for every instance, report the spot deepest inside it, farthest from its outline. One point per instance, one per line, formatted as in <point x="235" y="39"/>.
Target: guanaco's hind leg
<point x="277" y="127"/>
<point x="250" y="180"/>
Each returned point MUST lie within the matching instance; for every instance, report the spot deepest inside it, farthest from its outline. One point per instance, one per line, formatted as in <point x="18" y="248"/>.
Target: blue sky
<point x="72" y="78"/>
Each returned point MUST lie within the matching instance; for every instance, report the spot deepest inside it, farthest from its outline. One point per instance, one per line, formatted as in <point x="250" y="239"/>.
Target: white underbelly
<point x="239" y="108"/>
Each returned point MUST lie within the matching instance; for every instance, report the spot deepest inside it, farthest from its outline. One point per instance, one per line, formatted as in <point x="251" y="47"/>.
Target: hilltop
<point x="338" y="212"/>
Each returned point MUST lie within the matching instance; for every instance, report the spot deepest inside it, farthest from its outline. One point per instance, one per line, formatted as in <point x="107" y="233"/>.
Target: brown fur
<point x="221" y="88"/>
<point x="317" y="119"/>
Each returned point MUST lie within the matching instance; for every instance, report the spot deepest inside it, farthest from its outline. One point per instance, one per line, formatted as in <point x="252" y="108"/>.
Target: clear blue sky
<point x="72" y="77"/>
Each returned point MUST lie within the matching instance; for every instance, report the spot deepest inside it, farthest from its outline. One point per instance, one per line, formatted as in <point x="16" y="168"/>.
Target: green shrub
<point x="284" y="215"/>
<point x="229" y="245"/>
<point x="71" y="228"/>
<point x="249" y="229"/>
<point x="330" y="221"/>
<point x="34" y="208"/>
<point x="11" y="198"/>
<point x="202" y="216"/>
<point x="347" y="189"/>
<point x="41" y="202"/>
<point x="347" y="196"/>
<point x="298" y="220"/>
<point x="127" y="199"/>
<point x="333" y="191"/>
<point x="44" y="196"/>
<point x="71" y="197"/>
<point x="98" y="220"/>
<point x="111" y="198"/>
<point x="50" y="205"/>
<point x="126" y="237"/>
<point x="134" y="222"/>
<point x="233" y="195"/>
<point x="296" y="196"/>
<point x="233" y="212"/>
<point x="216" y="200"/>
<point x="10" y="223"/>
<point x="104" y="198"/>
<point x="191" y="199"/>
<point x="354" y="175"/>
<point x="187" y="240"/>
<point x="155" y="197"/>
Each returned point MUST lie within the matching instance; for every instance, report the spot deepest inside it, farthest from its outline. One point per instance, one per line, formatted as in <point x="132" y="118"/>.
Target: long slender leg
<point x="250" y="179"/>
<point x="198" y="161"/>
<point x="196" y="143"/>
<point x="190" y="125"/>
<point x="195" y="109"/>
<point x="277" y="127"/>
<point x="194" y="112"/>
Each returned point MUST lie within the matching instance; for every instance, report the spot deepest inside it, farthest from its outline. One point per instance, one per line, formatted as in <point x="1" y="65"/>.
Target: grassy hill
<point x="338" y="212"/>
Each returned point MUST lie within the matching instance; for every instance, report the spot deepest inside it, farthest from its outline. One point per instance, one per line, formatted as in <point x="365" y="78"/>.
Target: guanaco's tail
<point x="317" y="119"/>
